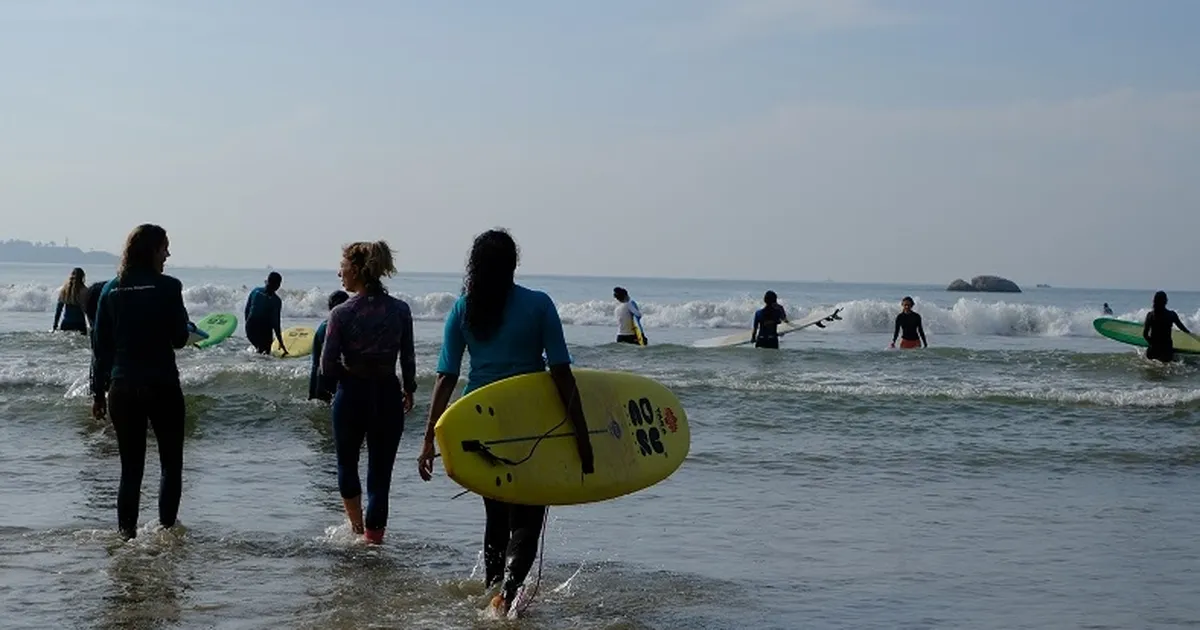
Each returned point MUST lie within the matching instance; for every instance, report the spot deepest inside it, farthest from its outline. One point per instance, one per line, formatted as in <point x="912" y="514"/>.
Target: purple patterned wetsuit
<point x="363" y="340"/>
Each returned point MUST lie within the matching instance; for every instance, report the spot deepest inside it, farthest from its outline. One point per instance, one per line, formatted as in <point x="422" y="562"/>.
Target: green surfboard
<point x="1131" y="333"/>
<point x="219" y="327"/>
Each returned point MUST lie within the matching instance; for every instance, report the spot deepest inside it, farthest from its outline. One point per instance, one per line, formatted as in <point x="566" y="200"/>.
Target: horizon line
<point x="921" y="284"/>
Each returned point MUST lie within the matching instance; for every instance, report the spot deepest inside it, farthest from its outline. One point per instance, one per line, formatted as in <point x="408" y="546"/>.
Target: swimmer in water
<point x="908" y="322"/>
<point x="1107" y="310"/>
<point x="1157" y="330"/>
<point x="320" y="386"/>
<point x="263" y="312"/>
<point x="766" y="322"/>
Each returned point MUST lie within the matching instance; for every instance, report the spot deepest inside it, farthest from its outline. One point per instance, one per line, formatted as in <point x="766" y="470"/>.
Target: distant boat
<point x="1043" y="286"/>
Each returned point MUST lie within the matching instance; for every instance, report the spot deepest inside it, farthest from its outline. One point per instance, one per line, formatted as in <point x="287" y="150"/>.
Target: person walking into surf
<point x="140" y="323"/>
<point x="72" y="299"/>
<point x="908" y="322"/>
<point x="321" y="387"/>
<point x="766" y="322"/>
<point x="263" y="312"/>
<point x="364" y="338"/>
<point x="629" y="319"/>
<point x="505" y="327"/>
<point x="1157" y="330"/>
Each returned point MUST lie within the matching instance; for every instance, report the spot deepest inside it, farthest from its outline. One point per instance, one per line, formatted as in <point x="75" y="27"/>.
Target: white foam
<point x="965" y="315"/>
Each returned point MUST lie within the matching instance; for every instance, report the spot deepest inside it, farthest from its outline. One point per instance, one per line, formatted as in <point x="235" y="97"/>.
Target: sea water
<point x="1022" y="472"/>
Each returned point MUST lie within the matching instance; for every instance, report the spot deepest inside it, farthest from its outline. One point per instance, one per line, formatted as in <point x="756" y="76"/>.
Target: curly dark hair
<point x="141" y="248"/>
<point x="489" y="279"/>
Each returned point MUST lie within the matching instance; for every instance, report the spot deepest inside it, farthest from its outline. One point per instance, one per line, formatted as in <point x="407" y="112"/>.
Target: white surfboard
<point x="818" y="319"/>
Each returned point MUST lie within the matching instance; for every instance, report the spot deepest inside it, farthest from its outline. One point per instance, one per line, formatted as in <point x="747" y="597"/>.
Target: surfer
<point x="72" y="298"/>
<point x="262" y="313"/>
<point x="766" y="321"/>
<point x="365" y="336"/>
<point x="629" y="318"/>
<point x="505" y="327"/>
<point x="321" y="387"/>
<point x="1107" y="310"/>
<point x="908" y="321"/>
<point x="1157" y="330"/>
<point x="140" y="322"/>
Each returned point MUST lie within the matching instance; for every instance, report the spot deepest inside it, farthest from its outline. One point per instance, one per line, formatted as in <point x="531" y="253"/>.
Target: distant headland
<point x="26" y="252"/>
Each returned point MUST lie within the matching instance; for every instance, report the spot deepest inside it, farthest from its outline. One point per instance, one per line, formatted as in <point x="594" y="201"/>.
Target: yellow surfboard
<point x="511" y="441"/>
<point x="298" y="339"/>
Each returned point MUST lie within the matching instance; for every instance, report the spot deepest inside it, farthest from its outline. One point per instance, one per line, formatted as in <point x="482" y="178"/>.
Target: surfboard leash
<point x="537" y="583"/>
<point x="476" y="446"/>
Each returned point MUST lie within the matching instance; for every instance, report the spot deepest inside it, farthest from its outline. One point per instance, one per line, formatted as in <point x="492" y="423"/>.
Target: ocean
<point x="1022" y="472"/>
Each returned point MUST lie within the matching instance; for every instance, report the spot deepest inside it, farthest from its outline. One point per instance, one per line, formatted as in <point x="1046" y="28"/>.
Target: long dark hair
<point x="489" y="279"/>
<point x="1160" y="301"/>
<point x="141" y="249"/>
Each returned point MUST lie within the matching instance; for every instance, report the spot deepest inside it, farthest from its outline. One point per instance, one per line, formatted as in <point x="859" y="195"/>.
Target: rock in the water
<point x="960" y="285"/>
<point x="985" y="284"/>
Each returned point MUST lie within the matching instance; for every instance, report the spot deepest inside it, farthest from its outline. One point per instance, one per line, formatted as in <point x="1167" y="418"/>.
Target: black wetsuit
<point x="140" y="322"/>
<point x="908" y="327"/>
<point x="1157" y="333"/>
<point x="93" y="302"/>
<point x="768" y="319"/>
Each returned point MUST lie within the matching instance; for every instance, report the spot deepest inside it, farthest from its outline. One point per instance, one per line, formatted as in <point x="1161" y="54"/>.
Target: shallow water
<point x="1021" y="473"/>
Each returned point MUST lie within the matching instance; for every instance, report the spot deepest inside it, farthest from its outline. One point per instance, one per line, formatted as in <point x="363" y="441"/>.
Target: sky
<point x="854" y="140"/>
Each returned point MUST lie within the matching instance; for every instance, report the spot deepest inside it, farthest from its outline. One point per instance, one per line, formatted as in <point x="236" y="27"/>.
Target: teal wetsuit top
<point x="140" y="322"/>
<point x="263" y="310"/>
<point x="530" y="326"/>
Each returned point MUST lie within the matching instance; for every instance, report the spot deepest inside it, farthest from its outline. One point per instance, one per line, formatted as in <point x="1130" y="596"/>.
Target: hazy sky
<point x="1049" y="141"/>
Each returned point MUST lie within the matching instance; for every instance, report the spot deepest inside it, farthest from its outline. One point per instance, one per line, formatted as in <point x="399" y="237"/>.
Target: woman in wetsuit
<point x="1157" y="330"/>
<point x="364" y="337"/>
<point x="908" y="327"/>
<point x="72" y="299"/>
<point x="140" y="322"/>
<point x="505" y="327"/>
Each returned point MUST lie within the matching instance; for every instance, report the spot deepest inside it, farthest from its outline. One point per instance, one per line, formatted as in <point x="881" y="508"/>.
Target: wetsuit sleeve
<point x="921" y="330"/>
<point x="249" y="301"/>
<point x="454" y="343"/>
<point x="408" y="355"/>
<point x="318" y="343"/>
<point x="553" y="339"/>
<point x="782" y="314"/>
<point x="331" y="353"/>
<point x="179" y="317"/>
<point x="1179" y="322"/>
<point x="277" y="317"/>
<point x="57" y="312"/>
<point x="896" y="330"/>
<point x="102" y="346"/>
<point x="1146" y="326"/>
